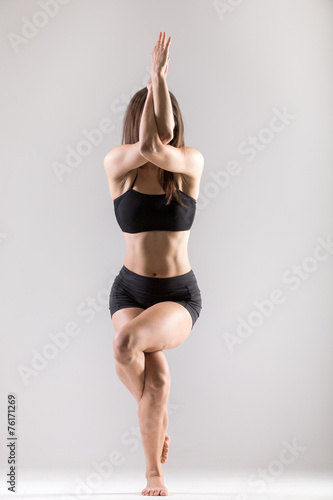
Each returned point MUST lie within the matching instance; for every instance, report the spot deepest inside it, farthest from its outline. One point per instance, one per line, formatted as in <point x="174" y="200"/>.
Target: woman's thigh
<point x="164" y="325"/>
<point x="124" y="315"/>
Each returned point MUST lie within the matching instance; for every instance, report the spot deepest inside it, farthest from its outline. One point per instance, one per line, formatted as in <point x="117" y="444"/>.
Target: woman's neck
<point x="150" y="169"/>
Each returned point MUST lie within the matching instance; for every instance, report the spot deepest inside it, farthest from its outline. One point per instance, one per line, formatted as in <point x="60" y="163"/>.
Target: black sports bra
<point x="137" y="212"/>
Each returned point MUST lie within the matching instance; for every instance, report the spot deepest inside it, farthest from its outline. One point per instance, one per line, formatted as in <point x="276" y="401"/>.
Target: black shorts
<point x="134" y="290"/>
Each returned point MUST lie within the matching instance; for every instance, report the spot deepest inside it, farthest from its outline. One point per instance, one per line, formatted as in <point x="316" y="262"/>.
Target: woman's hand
<point x="149" y="84"/>
<point x="160" y="55"/>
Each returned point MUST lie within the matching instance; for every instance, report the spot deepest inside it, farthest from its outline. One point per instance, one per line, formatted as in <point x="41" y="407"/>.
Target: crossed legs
<point x="142" y="366"/>
<point x="147" y="377"/>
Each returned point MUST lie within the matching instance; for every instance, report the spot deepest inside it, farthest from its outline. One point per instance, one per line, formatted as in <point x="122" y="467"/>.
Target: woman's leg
<point x="153" y="418"/>
<point x="131" y="369"/>
<point x="164" y="325"/>
<point x="131" y="374"/>
<point x="152" y="407"/>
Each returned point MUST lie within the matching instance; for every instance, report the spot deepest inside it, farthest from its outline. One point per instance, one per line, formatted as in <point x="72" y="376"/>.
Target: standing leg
<point x="164" y="325"/>
<point x="153" y="418"/>
<point x="130" y="374"/>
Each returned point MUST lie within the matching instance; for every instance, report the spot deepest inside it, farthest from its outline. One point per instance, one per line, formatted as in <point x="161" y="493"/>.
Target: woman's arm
<point x="162" y="106"/>
<point x="149" y="138"/>
<point x="188" y="160"/>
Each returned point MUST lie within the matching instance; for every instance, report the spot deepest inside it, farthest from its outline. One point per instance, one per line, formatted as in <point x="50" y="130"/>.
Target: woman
<point x="155" y="299"/>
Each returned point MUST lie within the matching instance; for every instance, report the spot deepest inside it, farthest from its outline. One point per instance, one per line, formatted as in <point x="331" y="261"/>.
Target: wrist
<point x="157" y="74"/>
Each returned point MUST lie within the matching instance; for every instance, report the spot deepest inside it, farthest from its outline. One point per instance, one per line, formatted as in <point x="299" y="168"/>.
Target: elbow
<point x="155" y="145"/>
<point x="166" y="139"/>
<point x="107" y="161"/>
<point x="144" y="149"/>
<point x="148" y="147"/>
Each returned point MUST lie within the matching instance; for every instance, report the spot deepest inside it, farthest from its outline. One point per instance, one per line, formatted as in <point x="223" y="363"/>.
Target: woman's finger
<point x="159" y="40"/>
<point x="168" y="43"/>
<point x="161" y="52"/>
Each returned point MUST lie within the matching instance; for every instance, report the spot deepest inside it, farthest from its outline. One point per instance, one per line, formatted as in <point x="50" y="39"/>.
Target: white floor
<point x="186" y="484"/>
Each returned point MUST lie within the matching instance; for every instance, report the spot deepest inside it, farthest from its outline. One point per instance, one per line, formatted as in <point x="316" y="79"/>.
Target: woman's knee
<point x="123" y="346"/>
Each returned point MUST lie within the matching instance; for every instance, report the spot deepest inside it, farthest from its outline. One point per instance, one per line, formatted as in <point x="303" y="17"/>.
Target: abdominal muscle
<point x="157" y="254"/>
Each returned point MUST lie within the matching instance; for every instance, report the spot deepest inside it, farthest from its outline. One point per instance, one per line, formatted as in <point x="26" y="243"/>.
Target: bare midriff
<point x="157" y="254"/>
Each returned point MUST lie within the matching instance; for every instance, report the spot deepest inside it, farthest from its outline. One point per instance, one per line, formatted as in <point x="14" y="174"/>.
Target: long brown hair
<point x="130" y="135"/>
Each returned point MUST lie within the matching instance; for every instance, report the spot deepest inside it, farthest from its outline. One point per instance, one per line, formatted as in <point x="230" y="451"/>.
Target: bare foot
<point x="164" y="455"/>
<point x="155" y="487"/>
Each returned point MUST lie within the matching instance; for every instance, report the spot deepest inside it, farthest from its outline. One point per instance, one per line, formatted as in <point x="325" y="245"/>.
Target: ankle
<point x="158" y="472"/>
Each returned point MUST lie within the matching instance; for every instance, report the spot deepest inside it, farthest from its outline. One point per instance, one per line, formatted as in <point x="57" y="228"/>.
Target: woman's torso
<point x="156" y="253"/>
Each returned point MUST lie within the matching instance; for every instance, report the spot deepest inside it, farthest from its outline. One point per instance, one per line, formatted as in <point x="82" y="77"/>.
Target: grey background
<point x="60" y="246"/>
